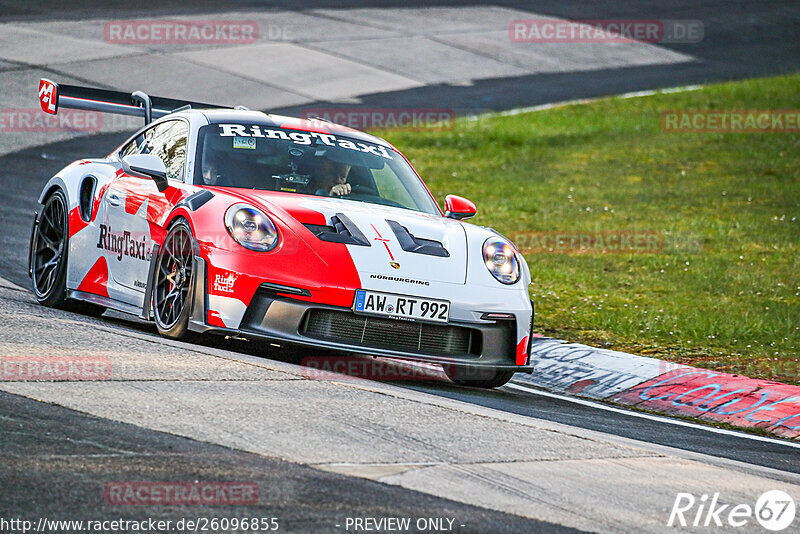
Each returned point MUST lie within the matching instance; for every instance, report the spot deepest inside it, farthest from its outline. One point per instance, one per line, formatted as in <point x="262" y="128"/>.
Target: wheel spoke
<point x="171" y="250"/>
<point x="186" y="246"/>
<point x="171" y="295"/>
<point x="41" y="249"/>
<point x="48" y="242"/>
<point x="46" y="219"/>
<point x="50" y="276"/>
<point x="51" y="263"/>
<point x="173" y="307"/>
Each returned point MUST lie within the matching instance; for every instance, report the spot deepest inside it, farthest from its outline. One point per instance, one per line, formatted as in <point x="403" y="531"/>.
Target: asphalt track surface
<point x="742" y="39"/>
<point x="50" y="450"/>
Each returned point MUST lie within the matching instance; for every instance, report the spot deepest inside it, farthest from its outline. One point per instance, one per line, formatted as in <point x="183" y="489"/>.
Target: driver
<point x="211" y="172"/>
<point x="331" y="178"/>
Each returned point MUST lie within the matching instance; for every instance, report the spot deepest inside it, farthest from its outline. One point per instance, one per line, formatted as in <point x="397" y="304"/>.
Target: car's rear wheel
<point x="49" y="252"/>
<point x="172" y="283"/>
<point x="477" y="377"/>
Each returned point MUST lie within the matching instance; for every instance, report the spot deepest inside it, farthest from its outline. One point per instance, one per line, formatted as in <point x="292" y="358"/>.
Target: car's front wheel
<point x="172" y="283"/>
<point x="477" y="377"/>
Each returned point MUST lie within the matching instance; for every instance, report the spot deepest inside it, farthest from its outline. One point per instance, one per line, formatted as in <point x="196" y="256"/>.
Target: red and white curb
<point x="665" y="387"/>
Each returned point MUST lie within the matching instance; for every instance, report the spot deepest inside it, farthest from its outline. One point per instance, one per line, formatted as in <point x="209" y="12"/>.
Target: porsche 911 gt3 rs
<point x="286" y="230"/>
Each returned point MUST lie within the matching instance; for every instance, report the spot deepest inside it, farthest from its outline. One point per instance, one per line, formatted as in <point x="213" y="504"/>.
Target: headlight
<point x="251" y="228"/>
<point x="501" y="260"/>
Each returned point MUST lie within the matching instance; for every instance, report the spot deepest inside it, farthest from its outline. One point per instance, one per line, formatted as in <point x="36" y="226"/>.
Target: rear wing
<point x="53" y="96"/>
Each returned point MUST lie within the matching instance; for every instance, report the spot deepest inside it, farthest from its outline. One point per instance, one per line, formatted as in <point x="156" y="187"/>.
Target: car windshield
<point x="260" y="156"/>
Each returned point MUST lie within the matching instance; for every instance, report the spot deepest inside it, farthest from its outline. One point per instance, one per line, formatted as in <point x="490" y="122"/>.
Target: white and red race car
<point x="273" y="228"/>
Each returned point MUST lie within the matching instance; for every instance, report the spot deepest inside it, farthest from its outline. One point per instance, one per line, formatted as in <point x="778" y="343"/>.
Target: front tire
<point x="477" y="377"/>
<point x="172" y="282"/>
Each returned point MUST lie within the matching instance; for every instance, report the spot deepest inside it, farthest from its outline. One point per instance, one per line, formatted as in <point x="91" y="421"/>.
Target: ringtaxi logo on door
<point x="774" y="510"/>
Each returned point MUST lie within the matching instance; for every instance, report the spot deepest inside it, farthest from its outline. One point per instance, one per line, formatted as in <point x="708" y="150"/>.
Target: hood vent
<point x="418" y="245"/>
<point x="342" y="230"/>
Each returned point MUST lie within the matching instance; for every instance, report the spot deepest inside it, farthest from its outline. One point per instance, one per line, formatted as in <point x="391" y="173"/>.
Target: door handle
<point x="113" y="199"/>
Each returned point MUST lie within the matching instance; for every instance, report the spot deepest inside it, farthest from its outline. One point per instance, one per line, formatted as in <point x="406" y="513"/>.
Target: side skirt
<point x="103" y="301"/>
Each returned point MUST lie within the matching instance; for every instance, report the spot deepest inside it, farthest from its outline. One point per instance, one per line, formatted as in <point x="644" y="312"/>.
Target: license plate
<point x="401" y="306"/>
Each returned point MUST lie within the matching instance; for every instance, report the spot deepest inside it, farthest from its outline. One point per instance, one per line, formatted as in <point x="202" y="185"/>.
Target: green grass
<point x="724" y="292"/>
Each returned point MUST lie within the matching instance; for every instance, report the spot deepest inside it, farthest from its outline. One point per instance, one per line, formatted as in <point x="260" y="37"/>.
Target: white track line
<point x="580" y="101"/>
<point x="657" y="418"/>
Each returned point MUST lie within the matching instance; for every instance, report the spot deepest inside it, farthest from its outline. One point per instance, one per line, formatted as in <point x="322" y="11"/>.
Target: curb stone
<point x="665" y="387"/>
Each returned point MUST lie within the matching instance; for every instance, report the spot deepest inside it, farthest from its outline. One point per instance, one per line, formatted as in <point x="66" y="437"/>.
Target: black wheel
<point x="49" y="253"/>
<point x="477" y="377"/>
<point x="172" y="284"/>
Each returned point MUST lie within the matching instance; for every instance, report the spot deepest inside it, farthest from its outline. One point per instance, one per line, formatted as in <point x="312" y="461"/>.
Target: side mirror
<point x="458" y="208"/>
<point x="146" y="166"/>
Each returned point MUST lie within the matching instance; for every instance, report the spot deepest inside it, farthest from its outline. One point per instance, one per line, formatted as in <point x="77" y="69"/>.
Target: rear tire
<point x="49" y="252"/>
<point x="173" y="282"/>
<point x="477" y="377"/>
<point x="49" y="255"/>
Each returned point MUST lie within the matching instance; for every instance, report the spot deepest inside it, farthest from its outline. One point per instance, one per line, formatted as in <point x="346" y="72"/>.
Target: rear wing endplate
<point x="53" y="96"/>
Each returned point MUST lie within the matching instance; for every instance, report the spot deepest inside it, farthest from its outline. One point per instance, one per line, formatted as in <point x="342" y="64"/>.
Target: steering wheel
<point x="367" y="194"/>
<point x="360" y="189"/>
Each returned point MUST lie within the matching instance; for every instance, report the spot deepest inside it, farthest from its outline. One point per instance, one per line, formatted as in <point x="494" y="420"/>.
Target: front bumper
<point x="275" y="317"/>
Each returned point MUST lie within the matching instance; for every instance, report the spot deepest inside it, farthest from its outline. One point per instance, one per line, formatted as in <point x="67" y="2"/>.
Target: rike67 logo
<point x="774" y="510"/>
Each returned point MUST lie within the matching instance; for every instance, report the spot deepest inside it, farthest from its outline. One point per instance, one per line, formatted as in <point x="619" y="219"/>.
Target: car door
<point x="135" y="208"/>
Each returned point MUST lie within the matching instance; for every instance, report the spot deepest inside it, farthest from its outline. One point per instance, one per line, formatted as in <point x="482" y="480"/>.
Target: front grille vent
<point x="406" y="336"/>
